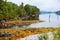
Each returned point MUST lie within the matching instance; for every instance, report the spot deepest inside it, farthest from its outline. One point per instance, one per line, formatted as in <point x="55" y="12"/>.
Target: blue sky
<point x="43" y="5"/>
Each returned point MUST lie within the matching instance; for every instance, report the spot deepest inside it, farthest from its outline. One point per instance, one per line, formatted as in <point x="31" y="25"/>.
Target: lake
<point x="53" y="22"/>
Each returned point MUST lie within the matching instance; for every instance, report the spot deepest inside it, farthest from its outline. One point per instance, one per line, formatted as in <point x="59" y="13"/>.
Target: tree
<point x="32" y="11"/>
<point x="21" y="11"/>
<point x="28" y="9"/>
<point x="35" y="10"/>
<point x="1" y="9"/>
<point x="12" y="10"/>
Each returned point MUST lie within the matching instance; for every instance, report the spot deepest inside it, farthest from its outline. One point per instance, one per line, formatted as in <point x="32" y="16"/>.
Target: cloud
<point x="45" y="5"/>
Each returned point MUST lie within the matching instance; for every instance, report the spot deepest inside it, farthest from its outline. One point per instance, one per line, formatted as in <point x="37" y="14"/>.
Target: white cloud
<point x="45" y="5"/>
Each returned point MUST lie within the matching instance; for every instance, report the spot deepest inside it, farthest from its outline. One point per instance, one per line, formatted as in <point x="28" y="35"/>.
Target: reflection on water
<point x="54" y="21"/>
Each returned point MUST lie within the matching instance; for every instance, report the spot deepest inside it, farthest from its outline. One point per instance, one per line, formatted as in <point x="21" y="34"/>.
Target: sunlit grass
<point x="56" y="36"/>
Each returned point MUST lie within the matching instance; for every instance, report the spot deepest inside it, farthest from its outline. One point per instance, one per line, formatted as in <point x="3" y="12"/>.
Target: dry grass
<point x="23" y="32"/>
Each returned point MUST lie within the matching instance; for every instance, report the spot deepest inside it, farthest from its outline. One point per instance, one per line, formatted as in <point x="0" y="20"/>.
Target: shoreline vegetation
<point x="8" y="24"/>
<point x="23" y="32"/>
<point x="11" y="11"/>
<point x="20" y="22"/>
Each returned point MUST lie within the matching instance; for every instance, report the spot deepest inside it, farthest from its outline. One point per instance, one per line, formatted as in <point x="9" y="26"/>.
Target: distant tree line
<point x="9" y="10"/>
<point x="58" y="12"/>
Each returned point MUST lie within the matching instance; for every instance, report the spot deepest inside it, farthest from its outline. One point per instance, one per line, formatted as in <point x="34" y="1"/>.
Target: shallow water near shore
<point x="53" y="22"/>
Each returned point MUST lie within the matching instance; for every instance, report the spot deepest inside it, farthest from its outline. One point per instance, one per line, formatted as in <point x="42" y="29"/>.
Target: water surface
<point x="54" y="21"/>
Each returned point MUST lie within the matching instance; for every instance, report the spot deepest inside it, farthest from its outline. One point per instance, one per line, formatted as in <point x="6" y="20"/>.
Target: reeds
<point x="44" y="36"/>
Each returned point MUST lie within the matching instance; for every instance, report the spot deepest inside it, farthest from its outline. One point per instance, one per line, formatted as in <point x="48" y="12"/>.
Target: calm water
<point x="54" y="21"/>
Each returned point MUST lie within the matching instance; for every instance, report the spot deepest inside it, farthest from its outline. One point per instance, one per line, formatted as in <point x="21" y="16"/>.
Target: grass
<point x="56" y="36"/>
<point x="23" y="32"/>
<point x="43" y="37"/>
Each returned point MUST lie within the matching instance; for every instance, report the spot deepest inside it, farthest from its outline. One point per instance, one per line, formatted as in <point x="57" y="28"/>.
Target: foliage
<point x="21" y="11"/>
<point x="40" y="38"/>
<point x="44" y="36"/>
<point x="9" y="10"/>
<point x="32" y="10"/>
<point x="56" y="35"/>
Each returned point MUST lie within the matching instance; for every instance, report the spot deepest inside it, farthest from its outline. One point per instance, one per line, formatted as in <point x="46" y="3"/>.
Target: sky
<point x="43" y="5"/>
